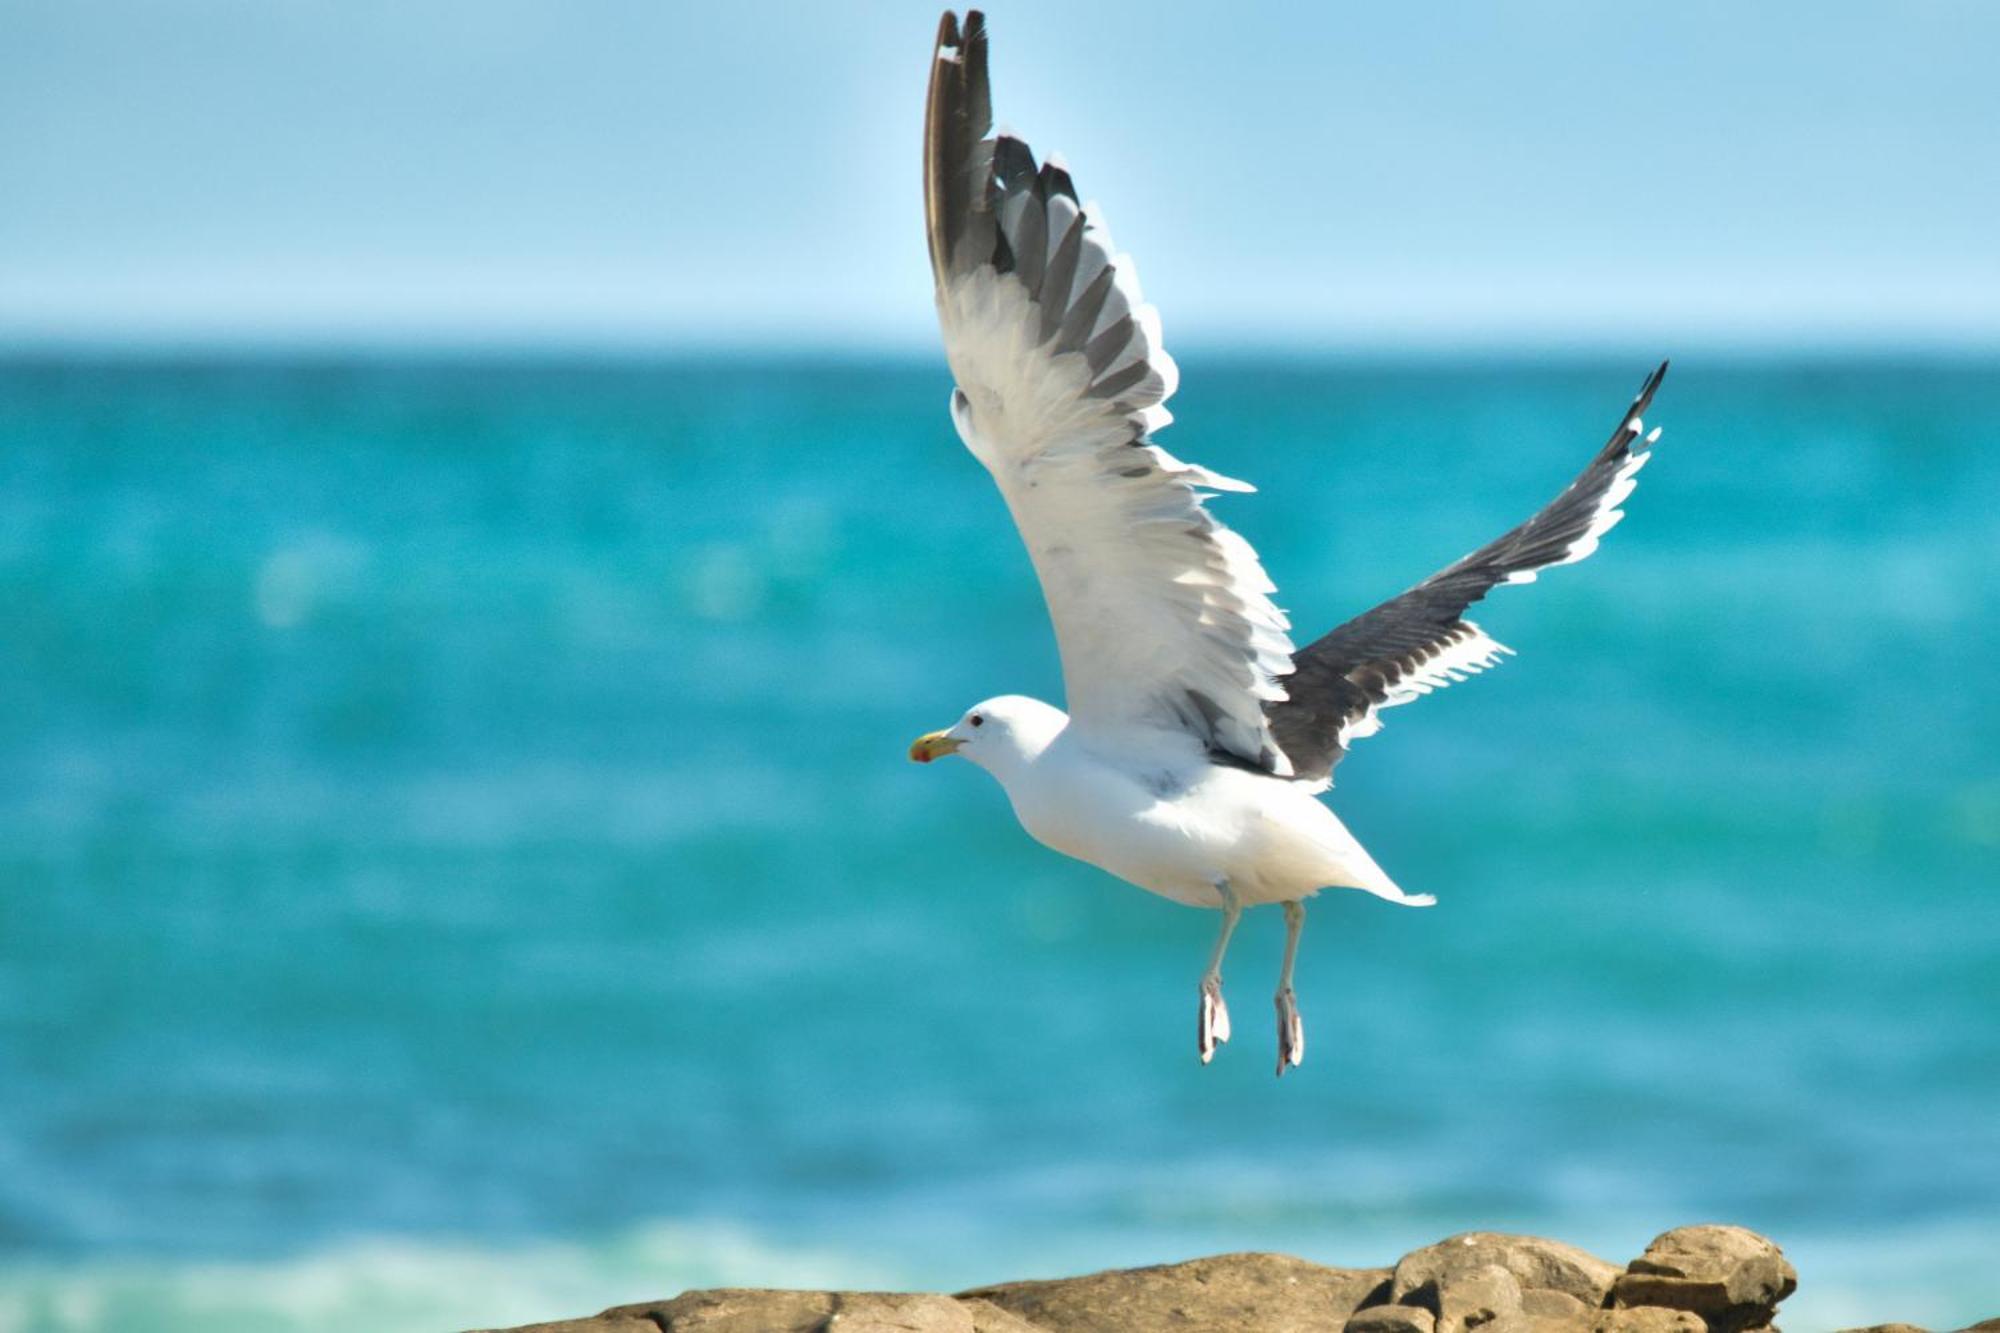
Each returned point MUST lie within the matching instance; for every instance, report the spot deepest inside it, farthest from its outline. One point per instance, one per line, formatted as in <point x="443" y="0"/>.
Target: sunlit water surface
<point x="458" y="865"/>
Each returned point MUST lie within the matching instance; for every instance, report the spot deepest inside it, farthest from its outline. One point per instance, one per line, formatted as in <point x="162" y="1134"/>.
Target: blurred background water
<point x="458" y="864"/>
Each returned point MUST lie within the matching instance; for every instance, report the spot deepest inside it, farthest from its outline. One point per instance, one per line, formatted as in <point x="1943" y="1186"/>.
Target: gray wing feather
<point x="1415" y="642"/>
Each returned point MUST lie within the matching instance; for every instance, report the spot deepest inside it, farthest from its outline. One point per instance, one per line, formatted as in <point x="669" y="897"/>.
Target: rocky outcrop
<point x="1731" y="1277"/>
<point x="745" y="1311"/>
<point x="1700" y="1279"/>
<point x="1484" y="1278"/>
<point x="1229" y="1291"/>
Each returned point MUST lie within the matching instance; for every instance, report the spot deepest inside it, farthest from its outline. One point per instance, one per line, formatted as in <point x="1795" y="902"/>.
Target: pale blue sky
<point x="663" y="174"/>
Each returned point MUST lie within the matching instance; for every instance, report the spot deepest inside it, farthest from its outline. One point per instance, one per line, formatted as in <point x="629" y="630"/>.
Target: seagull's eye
<point x="978" y="721"/>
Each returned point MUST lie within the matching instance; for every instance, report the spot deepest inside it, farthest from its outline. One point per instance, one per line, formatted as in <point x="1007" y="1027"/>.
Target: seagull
<point x="1198" y="739"/>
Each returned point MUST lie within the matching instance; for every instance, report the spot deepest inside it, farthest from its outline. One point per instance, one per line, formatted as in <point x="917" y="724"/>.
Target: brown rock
<point x="1703" y="1279"/>
<point x="1487" y="1297"/>
<point x="1391" y="1319"/>
<point x="1225" y="1294"/>
<point x="744" y="1311"/>
<point x="1536" y="1265"/>
<point x="1730" y="1276"/>
<point x="990" y="1318"/>
<point x="600" y="1323"/>
<point x="1557" y="1309"/>
<point x="1647" y="1319"/>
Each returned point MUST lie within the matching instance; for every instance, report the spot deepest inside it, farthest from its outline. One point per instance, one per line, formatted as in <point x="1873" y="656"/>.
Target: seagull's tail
<point x="1387" y="890"/>
<point x="1347" y="864"/>
<point x="1412" y="899"/>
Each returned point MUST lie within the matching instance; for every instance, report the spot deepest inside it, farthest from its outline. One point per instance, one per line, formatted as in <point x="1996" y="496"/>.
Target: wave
<point x="393" y="1285"/>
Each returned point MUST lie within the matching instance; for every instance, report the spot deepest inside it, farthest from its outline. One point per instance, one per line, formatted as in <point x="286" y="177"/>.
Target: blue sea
<point x="459" y="865"/>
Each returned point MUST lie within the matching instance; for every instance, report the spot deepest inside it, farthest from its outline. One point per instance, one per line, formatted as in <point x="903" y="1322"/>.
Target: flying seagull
<point x="1198" y="739"/>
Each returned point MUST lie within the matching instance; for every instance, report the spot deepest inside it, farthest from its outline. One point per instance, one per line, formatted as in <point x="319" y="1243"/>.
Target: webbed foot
<point x="1214" y="1026"/>
<point x="1291" y="1031"/>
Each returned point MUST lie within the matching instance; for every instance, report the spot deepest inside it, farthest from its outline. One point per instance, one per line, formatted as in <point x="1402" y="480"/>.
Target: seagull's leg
<point x="1214" y="1027"/>
<point x="1291" y="1032"/>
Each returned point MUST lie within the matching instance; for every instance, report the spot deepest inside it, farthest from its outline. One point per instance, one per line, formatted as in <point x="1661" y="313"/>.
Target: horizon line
<point x="569" y="347"/>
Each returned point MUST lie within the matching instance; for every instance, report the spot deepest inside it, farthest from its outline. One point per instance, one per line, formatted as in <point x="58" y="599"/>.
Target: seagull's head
<point x="994" y="733"/>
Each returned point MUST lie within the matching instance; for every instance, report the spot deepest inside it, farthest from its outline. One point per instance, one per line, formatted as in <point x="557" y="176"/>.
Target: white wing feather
<point x="1163" y="615"/>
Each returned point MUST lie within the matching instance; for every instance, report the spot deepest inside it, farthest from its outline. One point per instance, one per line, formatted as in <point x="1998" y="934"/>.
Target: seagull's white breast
<point x="1136" y="826"/>
<point x="1178" y="830"/>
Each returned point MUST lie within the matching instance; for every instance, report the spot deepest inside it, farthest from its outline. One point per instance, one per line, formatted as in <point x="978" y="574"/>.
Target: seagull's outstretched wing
<point x="1163" y="615"/>
<point x="1415" y="643"/>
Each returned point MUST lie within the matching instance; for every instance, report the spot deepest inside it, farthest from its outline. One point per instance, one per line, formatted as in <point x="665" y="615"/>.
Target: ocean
<point x="459" y="864"/>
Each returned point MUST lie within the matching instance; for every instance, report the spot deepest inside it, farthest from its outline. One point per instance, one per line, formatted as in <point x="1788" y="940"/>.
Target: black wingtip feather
<point x="1652" y="386"/>
<point x="1623" y="437"/>
<point x="1013" y="164"/>
<point x="1647" y="390"/>
<point x="958" y="115"/>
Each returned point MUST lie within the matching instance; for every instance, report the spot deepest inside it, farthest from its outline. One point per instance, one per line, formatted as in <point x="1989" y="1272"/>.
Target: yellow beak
<point x="932" y="745"/>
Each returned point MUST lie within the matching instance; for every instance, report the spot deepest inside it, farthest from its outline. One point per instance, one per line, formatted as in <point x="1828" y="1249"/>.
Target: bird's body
<point x="1179" y="826"/>
<point x="1198" y="738"/>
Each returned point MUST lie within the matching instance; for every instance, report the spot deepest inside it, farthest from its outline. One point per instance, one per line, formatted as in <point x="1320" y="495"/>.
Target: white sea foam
<point x="409" y="1286"/>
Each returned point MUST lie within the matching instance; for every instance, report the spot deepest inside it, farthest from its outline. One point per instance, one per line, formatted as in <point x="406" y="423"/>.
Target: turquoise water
<point x="458" y="864"/>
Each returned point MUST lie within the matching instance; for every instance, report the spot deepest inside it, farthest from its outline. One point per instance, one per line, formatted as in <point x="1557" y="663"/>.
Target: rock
<point x="1480" y="1297"/>
<point x="1647" y="1319"/>
<point x="990" y="1318"/>
<point x="1391" y="1319"/>
<point x="1699" y="1279"/>
<point x="728" y="1310"/>
<point x="1226" y="1294"/>
<point x="1536" y="1265"/>
<point x="1558" y="1309"/>
<point x="1732" y="1277"/>
<point x="602" y="1323"/>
